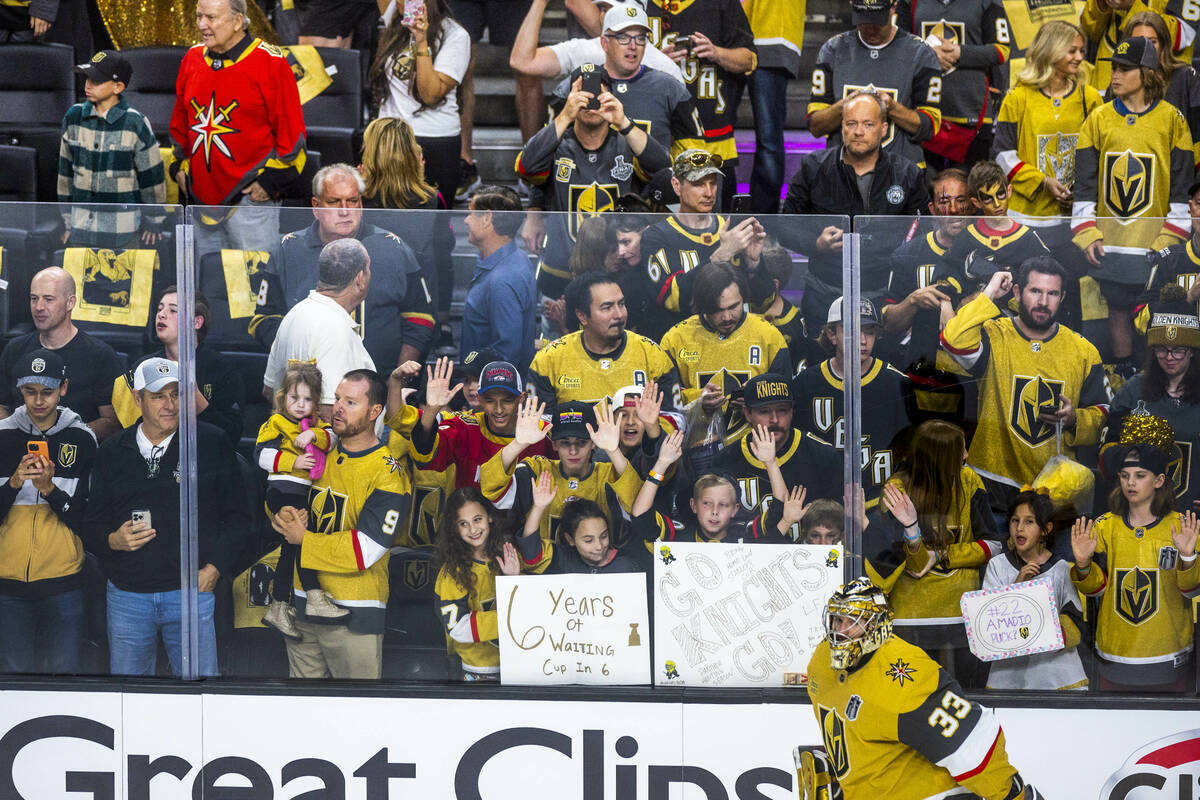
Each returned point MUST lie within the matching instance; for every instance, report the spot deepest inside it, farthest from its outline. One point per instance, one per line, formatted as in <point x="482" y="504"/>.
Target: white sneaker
<point x="320" y="604"/>
<point x="282" y="617"/>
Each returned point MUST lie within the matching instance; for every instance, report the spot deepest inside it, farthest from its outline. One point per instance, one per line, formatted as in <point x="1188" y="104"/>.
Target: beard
<point x="1026" y="315"/>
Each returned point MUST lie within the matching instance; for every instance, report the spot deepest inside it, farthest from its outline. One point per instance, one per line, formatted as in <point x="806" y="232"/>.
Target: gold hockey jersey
<point x="701" y="354"/>
<point x="1145" y="608"/>
<point x="1018" y="380"/>
<point x="898" y="727"/>
<point x="1102" y="24"/>
<point x="565" y="371"/>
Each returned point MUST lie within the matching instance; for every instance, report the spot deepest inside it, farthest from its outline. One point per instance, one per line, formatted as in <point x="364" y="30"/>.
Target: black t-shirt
<point x="91" y="368"/>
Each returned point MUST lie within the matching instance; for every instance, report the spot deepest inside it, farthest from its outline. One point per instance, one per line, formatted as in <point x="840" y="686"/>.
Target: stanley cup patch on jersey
<point x="1031" y="397"/>
<point x="1128" y="183"/>
<point x="1136" y="594"/>
<point x="833" y="731"/>
<point x="1056" y="155"/>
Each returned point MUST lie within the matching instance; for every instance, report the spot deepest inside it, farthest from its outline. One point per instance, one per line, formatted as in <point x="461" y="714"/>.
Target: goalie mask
<point x="858" y="620"/>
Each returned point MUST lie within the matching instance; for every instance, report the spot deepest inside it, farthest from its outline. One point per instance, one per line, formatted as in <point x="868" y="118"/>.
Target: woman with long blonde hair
<point x="1036" y="130"/>
<point x="948" y="534"/>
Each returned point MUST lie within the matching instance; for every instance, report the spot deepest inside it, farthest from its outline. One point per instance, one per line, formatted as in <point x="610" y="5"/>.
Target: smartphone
<point x="741" y="204"/>
<point x="39" y="448"/>
<point x="412" y="10"/>
<point x="140" y="515"/>
<point x="591" y="82"/>
<point x="684" y="43"/>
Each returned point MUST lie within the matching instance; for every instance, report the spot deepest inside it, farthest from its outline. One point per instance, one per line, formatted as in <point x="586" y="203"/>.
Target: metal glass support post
<point x="189" y="568"/>
<point x="852" y="403"/>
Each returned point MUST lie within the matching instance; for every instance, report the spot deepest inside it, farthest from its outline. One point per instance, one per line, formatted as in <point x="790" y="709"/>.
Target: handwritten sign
<point x="556" y="629"/>
<point x="739" y="614"/>
<point x="1019" y="619"/>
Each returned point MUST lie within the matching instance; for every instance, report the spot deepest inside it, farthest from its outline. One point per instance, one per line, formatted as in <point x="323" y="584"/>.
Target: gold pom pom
<point x="1145" y="428"/>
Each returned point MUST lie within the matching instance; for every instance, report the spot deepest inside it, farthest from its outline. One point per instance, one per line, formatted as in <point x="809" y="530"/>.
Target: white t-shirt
<point x="575" y="52"/>
<point x="451" y="59"/>
<point x="317" y="327"/>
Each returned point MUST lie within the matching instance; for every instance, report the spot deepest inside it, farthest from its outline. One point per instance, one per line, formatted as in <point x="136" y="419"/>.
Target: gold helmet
<point x="858" y="620"/>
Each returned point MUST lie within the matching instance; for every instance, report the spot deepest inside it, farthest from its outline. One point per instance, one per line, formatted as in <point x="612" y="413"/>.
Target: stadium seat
<point x="18" y="177"/>
<point x="37" y="85"/>
<point x="333" y="116"/>
<point x="250" y="367"/>
<point x="152" y="90"/>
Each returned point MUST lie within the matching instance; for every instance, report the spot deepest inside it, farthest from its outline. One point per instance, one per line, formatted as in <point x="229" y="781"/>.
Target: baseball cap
<point x="627" y="396"/>
<point x="475" y="361"/>
<point x="871" y="12"/>
<point x="866" y="312"/>
<point x="660" y="190"/>
<point x="1136" y="51"/>
<point x="770" y="387"/>
<point x="43" y="367"/>
<point x="154" y="374"/>
<point x="572" y="419"/>
<point x="622" y="16"/>
<point x="107" y="65"/>
<point x="641" y="3"/>
<point x="500" y="375"/>
<point x="695" y="165"/>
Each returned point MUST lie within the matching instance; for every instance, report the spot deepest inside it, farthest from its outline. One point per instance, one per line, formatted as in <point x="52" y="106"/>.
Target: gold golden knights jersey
<point x="1144" y="588"/>
<point x="514" y="489"/>
<point x="472" y="629"/>
<point x="701" y="354"/>
<point x="818" y="399"/>
<point x="1132" y="172"/>
<point x="897" y="727"/>
<point x="1102" y="24"/>
<point x="1035" y="138"/>
<point x="430" y="488"/>
<point x="356" y="509"/>
<point x="933" y="599"/>
<point x="1020" y="379"/>
<point x="565" y="371"/>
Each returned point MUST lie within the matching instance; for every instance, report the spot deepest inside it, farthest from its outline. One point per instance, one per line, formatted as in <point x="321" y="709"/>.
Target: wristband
<point x="912" y="538"/>
<point x="656" y="478"/>
<point x="627" y="128"/>
<point x="1083" y="571"/>
<point x="1189" y="560"/>
<point x="424" y="52"/>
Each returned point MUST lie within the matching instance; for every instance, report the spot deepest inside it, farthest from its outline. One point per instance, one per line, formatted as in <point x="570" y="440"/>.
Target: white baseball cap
<point x="625" y="15"/>
<point x="154" y="374"/>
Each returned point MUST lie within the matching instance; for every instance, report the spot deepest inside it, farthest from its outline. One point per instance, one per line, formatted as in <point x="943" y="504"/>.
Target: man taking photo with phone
<point x="46" y="456"/>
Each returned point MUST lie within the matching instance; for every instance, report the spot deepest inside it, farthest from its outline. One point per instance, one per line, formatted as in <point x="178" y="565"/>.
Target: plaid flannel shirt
<point x="112" y="159"/>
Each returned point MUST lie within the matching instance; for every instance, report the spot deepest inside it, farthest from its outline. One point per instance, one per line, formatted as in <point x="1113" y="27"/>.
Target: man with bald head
<point x="857" y="177"/>
<point x="91" y="363"/>
<point x="320" y="326"/>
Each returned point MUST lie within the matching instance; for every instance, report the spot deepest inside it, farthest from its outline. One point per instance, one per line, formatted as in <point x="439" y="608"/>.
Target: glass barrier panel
<point x="1032" y="361"/>
<point x="90" y="568"/>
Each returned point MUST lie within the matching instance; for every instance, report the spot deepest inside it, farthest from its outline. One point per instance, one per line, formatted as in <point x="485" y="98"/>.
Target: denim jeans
<point x="135" y="621"/>
<point x="768" y="98"/>
<point x="251" y="226"/>
<point x="41" y="635"/>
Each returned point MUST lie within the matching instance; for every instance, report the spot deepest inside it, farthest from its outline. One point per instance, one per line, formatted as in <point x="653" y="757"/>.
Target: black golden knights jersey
<point x="1179" y="263"/>
<point x="981" y="250"/>
<point x="819" y="409"/>
<point x="980" y="29"/>
<point x="803" y="349"/>
<point x="581" y="183"/>
<point x="804" y="461"/>
<point x="906" y="68"/>
<point x="898" y="727"/>
<point x="670" y="251"/>
<point x="723" y="22"/>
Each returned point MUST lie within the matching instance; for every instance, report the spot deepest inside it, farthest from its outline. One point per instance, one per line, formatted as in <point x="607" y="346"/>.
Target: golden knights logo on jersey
<point x="212" y="124"/>
<point x="1137" y="594"/>
<point x="1129" y="183"/>
<point x="945" y="31"/>
<point x="833" y="731"/>
<point x="588" y="201"/>
<point x="749" y="492"/>
<point x="416" y="573"/>
<point x="327" y="509"/>
<point x="1056" y="155"/>
<point x="851" y="88"/>
<point x="1031" y="397"/>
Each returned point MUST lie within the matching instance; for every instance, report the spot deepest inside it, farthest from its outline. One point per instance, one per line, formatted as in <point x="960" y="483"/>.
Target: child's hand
<point x="544" y="490"/>
<point x="900" y="505"/>
<point x="1083" y="543"/>
<point x="508" y="562"/>
<point x="605" y="435"/>
<point x="304" y="461"/>
<point x="648" y="405"/>
<point x="305" y="438"/>
<point x="1028" y="572"/>
<point x="1184" y="535"/>
<point x="794" y="507"/>
<point x="671" y="449"/>
<point x="438" y="393"/>
<point x="762" y="444"/>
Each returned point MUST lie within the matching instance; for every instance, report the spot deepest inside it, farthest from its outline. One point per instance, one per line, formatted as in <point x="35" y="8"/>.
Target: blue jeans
<point x="134" y="622"/>
<point x="41" y="635"/>
<point x="251" y="226"/>
<point x="768" y="98"/>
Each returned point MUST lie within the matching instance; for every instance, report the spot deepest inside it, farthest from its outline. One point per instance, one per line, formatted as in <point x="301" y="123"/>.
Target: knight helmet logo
<point x="1137" y="594"/>
<point x="1129" y="182"/>
<point x="1031" y="397"/>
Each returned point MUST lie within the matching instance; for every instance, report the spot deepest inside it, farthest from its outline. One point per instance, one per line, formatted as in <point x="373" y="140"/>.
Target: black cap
<point x="871" y="12"/>
<point x="500" y="375"/>
<point x="766" y="389"/>
<point x="1146" y="456"/>
<point x="572" y="419"/>
<point x="44" y="367"/>
<point x="107" y="65"/>
<point x="1136" y="51"/>
<point x="660" y="190"/>
<point x="474" y="362"/>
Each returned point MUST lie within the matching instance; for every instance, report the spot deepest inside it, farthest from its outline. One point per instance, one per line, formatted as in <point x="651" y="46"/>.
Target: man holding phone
<point x="46" y="456"/>
<point x="132" y="525"/>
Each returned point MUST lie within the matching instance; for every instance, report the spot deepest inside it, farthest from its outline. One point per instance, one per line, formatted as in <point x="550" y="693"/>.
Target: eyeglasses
<point x="698" y="159"/>
<point x="1172" y="352"/>
<point x="625" y="39"/>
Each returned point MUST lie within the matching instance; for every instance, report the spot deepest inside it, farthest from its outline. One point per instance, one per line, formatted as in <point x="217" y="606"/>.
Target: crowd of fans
<point x="1027" y="214"/>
